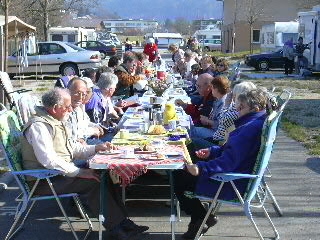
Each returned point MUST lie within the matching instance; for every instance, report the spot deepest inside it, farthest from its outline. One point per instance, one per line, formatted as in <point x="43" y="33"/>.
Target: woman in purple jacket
<point x="238" y="155"/>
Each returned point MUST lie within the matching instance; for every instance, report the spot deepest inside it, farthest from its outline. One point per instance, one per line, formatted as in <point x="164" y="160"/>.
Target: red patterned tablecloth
<point x="130" y="169"/>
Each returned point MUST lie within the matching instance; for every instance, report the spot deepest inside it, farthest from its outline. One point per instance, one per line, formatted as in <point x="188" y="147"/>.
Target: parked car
<point x="265" y="61"/>
<point x="103" y="48"/>
<point x="210" y="44"/>
<point x="107" y="41"/>
<point x="54" y="57"/>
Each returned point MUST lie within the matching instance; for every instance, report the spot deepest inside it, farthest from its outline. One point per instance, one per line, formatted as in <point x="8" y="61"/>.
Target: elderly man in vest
<point x="46" y="144"/>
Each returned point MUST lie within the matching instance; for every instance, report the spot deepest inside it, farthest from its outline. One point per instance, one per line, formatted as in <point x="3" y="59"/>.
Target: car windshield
<point x="75" y="47"/>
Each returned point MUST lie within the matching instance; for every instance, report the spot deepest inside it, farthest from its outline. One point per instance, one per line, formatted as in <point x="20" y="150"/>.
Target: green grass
<point x="233" y="56"/>
<point x="42" y="89"/>
<point x="303" y="135"/>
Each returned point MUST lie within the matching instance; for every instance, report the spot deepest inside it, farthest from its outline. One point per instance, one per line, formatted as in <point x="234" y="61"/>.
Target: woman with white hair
<point x="151" y="49"/>
<point x="99" y="107"/>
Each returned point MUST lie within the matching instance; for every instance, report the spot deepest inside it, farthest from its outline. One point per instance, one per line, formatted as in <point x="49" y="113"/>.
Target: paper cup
<point x="172" y="124"/>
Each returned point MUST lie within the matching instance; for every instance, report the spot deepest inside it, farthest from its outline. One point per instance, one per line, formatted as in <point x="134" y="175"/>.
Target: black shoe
<point x="193" y="229"/>
<point x="211" y="221"/>
<point x="129" y="225"/>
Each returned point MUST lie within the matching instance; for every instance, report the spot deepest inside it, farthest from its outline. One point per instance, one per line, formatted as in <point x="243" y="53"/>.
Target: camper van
<point x="165" y="39"/>
<point x="209" y="38"/>
<point x="274" y="35"/>
<point x="71" y="34"/>
<point x="309" y="29"/>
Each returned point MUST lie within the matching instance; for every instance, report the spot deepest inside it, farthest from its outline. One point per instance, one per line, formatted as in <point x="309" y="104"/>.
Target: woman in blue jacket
<point x="237" y="155"/>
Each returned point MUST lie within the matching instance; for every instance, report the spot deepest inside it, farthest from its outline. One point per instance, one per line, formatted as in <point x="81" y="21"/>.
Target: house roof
<point x="85" y="22"/>
<point x="14" y="23"/>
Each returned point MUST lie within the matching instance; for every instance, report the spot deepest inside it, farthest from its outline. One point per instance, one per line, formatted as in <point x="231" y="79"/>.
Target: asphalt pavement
<point x="294" y="182"/>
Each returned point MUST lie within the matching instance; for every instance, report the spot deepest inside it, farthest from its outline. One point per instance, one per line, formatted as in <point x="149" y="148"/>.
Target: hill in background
<point x="161" y="10"/>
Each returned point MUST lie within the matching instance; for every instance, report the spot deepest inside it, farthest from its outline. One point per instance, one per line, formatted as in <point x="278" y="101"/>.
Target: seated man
<point x="79" y="121"/>
<point x="126" y="78"/>
<point x="238" y="155"/>
<point x="205" y="106"/>
<point x="45" y="144"/>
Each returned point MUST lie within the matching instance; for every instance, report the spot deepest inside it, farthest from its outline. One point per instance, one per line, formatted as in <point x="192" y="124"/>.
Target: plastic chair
<point x="282" y="100"/>
<point x="255" y="195"/>
<point x="20" y="100"/>
<point x="10" y="144"/>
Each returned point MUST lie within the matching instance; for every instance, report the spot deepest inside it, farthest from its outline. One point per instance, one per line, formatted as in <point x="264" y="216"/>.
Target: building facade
<point x="123" y="25"/>
<point x="236" y="30"/>
<point x="204" y="23"/>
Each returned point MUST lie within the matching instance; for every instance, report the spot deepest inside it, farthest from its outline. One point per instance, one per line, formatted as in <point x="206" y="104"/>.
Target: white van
<point x="210" y="44"/>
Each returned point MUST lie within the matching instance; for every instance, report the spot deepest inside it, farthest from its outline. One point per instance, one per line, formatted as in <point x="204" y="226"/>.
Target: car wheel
<point x="103" y="55"/>
<point x="207" y="49"/>
<point x="263" y="65"/>
<point x="68" y="69"/>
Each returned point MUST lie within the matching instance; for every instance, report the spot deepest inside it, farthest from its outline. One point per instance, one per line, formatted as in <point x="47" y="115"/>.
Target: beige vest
<point x="60" y="138"/>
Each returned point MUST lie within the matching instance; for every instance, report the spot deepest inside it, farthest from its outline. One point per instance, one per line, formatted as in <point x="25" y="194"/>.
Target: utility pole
<point x="6" y="33"/>
<point x="234" y="26"/>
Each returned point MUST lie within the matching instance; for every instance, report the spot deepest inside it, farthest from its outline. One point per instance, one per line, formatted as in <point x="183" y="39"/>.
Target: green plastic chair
<point x="10" y="134"/>
<point x="255" y="195"/>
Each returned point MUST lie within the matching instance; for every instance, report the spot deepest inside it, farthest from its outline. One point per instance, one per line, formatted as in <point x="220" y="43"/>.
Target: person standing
<point x="151" y="49"/>
<point x="301" y="61"/>
<point x="288" y="57"/>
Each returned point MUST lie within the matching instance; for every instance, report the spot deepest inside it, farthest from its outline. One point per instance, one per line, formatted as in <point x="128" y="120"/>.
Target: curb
<point x="5" y="179"/>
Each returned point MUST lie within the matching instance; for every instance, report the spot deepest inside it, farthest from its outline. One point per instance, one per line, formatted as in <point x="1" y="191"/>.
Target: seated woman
<point x="219" y="88"/>
<point x="178" y="59"/>
<point x="100" y="108"/>
<point x="237" y="155"/>
<point x="229" y="114"/>
<point x="222" y="67"/>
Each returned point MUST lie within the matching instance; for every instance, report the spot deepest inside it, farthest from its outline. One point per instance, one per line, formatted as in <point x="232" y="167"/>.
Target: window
<point x="57" y="37"/>
<point x="269" y="38"/>
<point x="216" y="37"/>
<point x="71" y="38"/>
<point x="256" y="35"/>
<point x="56" y="49"/>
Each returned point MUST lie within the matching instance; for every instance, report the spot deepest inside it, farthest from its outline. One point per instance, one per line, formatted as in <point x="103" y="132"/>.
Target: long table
<point x="129" y="169"/>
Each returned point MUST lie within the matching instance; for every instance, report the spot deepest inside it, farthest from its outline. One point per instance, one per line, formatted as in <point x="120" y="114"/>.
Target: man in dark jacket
<point x="126" y="79"/>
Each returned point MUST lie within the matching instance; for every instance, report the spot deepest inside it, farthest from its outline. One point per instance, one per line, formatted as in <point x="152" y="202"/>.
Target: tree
<point x="253" y="11"/>
<point x="306" y="4"/>
<point x="182" y="26"/>
<point x="43" y="13"/>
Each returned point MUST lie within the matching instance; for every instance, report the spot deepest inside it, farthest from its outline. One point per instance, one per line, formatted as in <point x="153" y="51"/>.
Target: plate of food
<point x="131" y="156"/>
<point x="153" y="157"/>
<point x="173" y="154"/>
<point x="137" y="138"/>
<point x="145" y="149"/>
<point x="112" y="152"/>
<point x="156" y="130"/>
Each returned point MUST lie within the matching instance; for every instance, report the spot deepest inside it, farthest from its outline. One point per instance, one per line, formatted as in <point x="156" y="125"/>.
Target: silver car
<point x="54" y="57"/>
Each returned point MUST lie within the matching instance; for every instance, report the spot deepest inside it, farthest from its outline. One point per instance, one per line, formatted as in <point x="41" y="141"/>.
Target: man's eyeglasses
<point x="220" y="65"/>
<point x="66" y="107"/>
<point x="80" y="94"/>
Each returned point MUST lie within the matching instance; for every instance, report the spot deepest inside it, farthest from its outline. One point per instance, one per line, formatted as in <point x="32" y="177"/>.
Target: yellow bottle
<point x="169" y="113"/>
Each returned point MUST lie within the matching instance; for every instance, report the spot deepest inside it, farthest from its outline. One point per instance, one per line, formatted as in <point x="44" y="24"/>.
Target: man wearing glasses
<point x="46" y="144"/>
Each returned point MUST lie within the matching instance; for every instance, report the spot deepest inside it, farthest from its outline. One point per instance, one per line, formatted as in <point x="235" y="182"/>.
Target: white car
<point x="54" y="57"/>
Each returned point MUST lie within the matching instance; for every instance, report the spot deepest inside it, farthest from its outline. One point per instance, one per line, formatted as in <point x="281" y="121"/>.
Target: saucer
<point x="128" y="156"/>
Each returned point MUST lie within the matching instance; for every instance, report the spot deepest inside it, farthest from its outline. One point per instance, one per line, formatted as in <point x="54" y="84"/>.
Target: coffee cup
<point x="129" y="153"/>
<point x="172" y="124"/>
